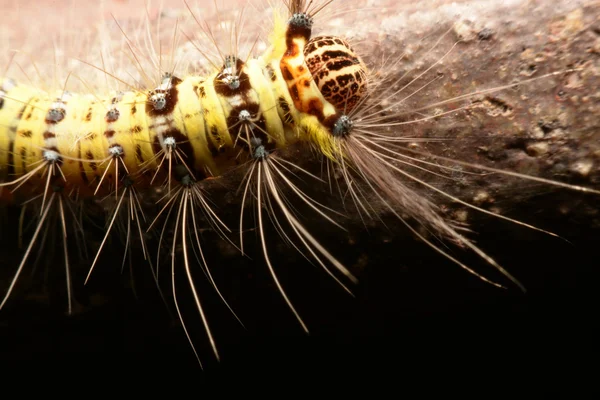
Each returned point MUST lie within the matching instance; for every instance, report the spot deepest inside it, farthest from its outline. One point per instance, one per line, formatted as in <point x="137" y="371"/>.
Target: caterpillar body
<point x="178" y="134"/>
<point x="135" y="128"/>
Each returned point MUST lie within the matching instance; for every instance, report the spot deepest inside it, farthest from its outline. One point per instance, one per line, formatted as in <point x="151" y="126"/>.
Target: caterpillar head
<point x="337" y="70"/>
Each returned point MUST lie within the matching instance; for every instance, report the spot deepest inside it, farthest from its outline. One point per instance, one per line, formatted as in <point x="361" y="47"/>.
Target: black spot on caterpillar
<point x="394" y="113"/>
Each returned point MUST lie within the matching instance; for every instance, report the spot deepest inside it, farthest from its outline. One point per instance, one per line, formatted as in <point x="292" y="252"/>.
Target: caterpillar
<point x="167" y="150"/>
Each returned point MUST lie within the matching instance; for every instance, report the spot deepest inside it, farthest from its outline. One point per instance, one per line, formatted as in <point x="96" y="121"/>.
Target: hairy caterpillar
<point x="331" y="150"/>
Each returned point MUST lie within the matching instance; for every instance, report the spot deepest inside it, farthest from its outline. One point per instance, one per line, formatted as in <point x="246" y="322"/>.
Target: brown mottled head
<point x="338" y="71"/>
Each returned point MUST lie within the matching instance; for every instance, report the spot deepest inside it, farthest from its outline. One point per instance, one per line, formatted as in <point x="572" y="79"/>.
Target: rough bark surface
<point x="546" y="128"/>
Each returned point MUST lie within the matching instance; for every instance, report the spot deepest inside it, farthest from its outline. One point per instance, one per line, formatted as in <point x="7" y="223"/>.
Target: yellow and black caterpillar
<point x="184" y="131"/>
<point x="187" y="129"/>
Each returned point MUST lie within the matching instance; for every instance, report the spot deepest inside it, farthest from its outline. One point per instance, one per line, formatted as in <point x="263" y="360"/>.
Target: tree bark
<point x="546" y="128"/>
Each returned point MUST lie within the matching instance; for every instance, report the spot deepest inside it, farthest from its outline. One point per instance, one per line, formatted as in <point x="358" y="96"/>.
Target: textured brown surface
<point x="545" y="128"/>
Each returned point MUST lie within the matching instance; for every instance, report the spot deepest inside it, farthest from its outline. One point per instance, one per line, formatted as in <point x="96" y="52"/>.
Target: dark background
<point x="414" y="315"/>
